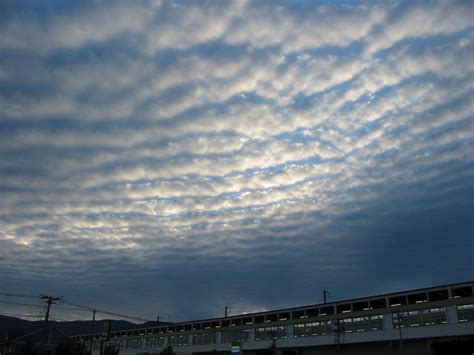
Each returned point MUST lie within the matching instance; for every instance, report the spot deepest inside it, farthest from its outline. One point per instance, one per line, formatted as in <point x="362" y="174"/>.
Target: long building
<point x="431" y="321"/>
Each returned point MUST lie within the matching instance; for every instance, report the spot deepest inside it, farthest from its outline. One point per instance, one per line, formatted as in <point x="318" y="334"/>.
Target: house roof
<point x="36" y="331"/>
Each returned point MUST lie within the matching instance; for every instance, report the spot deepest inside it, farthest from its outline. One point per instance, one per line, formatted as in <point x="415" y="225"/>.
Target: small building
<point x="44" y="341"/>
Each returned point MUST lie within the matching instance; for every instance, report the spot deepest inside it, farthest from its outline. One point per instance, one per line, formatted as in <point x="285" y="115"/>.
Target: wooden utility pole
<point x="49" y="301"/>
<point x="92" y="336"/>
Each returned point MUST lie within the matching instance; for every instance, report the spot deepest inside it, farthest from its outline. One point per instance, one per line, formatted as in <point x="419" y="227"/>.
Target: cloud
<point x="156" y="147"/>
<point x="411" y="21"/>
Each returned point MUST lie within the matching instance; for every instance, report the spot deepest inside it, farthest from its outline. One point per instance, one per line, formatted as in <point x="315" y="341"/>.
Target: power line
<point x="72" y="309"/>
<point x="17" y="295"/>
<point x="107" y="312"/>
<point x="41" y="306"/>
<point x="80" y="306"/>
<point x="22" y="304"/>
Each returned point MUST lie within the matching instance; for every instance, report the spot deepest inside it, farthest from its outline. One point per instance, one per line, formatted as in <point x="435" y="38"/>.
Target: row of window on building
<point x="415" y="318"/>
<point x="346" y="325"/>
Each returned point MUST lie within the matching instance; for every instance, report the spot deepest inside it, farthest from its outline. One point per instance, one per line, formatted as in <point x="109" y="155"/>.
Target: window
<point x="439" y="295"/>
<point x="360" y="324"/>
<point x="414" y="318"/>
<point x="327" y="310"/>
<point x="154" y="342"/>
<point x="284" y="316"/>
<point x="462" y="292"/>
<point x="407" y="319"/>
<point x="299" y="330"/>
<point x="400" y="319"/>
<point x="136" y="343"/>
<point x="344" y="308"/>
<point x="378" y="303"/>
<point x="346" y="325"/>
<point x="270" y="332"/>
<point x="172" y="340"/>
<point x="232" y="335"/>
<point x="466" y="313"/>
<point x="157" y="342"/>
<point x="376" y="322"/>
<point x="197" y="339"/>
<point x="397" y="301"/>
<point x="313" y="312"/>
<point x="204" y="338"/>
<point x="418" y="298"/>
<point x="182" y="340"/>
<point x="260" y="334"/>
<point x="434" y="316"/>
<point x="245" y="334"/>
<point x="298" y="314"/>
<point x="315" y="328"/>
<point x="311" y="329"/>
<point x="429" y="316"/>
<point x="149" y="342"/>
<point x="360" y="306"/>
<point x="96" y="345"/>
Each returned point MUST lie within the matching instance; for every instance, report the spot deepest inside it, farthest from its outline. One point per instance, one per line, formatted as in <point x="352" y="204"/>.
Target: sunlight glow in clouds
<point x="158" y="147"/>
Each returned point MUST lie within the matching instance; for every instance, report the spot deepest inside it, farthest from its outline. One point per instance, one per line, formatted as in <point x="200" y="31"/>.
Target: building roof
<point x="32" y="334"/>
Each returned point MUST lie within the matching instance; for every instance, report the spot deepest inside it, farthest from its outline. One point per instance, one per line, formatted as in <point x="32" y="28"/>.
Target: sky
<point x="174" y="157"/>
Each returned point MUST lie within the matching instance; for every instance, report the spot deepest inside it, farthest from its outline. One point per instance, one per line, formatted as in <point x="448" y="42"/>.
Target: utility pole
<point x="338" y="328"/>
<point x="274" y="343"/>
<point x="49" y="301"/>
<point x="325" y="294"/>
<point x="227" y="311"/>
<point x="400" y="319"/>
<point x="92" y="336"/>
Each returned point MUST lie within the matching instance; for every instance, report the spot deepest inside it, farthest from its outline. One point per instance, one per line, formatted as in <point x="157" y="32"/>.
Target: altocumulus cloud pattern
<point x="174" y="156"/>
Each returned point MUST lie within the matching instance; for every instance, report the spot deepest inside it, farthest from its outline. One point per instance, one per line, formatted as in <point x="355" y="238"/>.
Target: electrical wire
<point x="72" y="309"/>
<point x="22" y="304"/>
<point x="42" y="306"/>
<point x="78" y="307"/>
<point x="91" y="309"/>
<point x="16" y="295"/>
